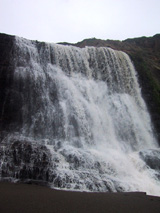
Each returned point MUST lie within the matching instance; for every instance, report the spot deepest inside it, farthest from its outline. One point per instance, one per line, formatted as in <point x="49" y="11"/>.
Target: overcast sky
<point x="75" y="20"/>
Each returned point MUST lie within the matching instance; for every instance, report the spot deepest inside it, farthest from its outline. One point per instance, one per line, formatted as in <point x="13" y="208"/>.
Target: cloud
<point x="74" y="20"/>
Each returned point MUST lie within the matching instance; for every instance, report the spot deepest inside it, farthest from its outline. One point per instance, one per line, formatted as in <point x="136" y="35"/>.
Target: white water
<point x="86" y="105"/>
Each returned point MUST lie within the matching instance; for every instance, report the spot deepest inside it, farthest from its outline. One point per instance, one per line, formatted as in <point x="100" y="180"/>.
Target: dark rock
<point x="10" y="99"/>
<point x="25" y="160"/>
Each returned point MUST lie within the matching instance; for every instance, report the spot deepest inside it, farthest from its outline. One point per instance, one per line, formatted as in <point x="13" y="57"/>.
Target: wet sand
<point x="25" y="198"/>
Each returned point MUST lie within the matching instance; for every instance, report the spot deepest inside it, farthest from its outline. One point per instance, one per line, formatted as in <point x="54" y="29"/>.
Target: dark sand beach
<point x="27" y="198"/>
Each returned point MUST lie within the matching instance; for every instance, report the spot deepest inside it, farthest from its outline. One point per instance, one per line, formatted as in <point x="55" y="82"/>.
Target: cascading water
<point x="85" y="106"/>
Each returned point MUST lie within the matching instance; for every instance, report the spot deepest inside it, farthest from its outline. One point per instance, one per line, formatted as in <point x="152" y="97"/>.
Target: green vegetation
<point x="147" y="78"/>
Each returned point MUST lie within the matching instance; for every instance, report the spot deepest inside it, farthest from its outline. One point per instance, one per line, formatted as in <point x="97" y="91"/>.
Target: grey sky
<point x="75" y="20"/>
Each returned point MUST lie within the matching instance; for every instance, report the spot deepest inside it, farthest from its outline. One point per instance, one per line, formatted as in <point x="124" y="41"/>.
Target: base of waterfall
<point x="77" y="169"/>
<point x="32" y="198"/>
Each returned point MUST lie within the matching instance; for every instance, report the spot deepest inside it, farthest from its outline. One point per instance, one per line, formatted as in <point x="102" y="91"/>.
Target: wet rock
<point x="151" y="158"/>
<point x="25" y="160"/>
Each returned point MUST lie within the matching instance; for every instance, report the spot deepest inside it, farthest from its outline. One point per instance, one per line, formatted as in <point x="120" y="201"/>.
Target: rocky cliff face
<point x="145" y="54"/>
<point x="6" y="79"/>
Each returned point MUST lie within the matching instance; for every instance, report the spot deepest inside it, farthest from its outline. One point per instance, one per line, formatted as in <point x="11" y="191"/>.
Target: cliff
<point x="8" y="109"/>
<point x="145" y="54"/>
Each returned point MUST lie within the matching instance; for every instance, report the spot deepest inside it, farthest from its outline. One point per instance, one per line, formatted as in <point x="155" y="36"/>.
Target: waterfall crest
<point x="85" y="106"/>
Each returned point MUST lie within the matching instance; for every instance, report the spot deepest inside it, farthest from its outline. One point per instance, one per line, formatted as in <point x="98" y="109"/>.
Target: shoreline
<point x="28" y="198"/>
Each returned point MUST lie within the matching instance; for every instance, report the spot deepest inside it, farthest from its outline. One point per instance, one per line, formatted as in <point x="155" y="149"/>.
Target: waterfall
<point x="85" y="106"/>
